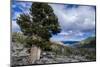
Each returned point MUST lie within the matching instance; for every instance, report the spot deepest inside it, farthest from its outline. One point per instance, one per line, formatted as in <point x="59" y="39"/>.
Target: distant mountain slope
<point x="90" y="42"/>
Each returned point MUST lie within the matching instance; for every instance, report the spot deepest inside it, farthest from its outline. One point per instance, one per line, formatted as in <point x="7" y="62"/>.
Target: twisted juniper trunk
<point x="34" y="54"/>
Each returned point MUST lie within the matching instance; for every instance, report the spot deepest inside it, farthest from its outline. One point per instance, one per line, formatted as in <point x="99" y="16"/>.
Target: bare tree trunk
<point x="35" y="53"/>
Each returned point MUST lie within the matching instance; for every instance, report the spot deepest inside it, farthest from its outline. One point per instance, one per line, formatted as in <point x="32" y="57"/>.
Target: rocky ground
<point x="20" y="56"/>
<point x="50" y="57"/>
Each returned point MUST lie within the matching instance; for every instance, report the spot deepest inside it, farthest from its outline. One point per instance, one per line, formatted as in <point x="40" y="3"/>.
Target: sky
<point x="77" y="21"/>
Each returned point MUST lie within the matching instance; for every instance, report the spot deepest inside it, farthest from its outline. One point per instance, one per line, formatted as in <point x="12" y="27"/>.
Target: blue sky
<point x="77" y="22"/>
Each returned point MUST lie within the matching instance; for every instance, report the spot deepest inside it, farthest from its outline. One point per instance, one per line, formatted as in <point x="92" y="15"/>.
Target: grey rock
<point x="19" y="56"/>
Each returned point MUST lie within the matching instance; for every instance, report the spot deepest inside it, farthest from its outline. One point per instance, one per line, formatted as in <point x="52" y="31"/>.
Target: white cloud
<point x="17" y="9"/>
<point x="76" y="22"/>
<point x="81" y="18"/>
<point x="20" y="7"/>
<point x="15" y="15"/>
<point x="24" y="7"/>
<point x="15" y="27"/>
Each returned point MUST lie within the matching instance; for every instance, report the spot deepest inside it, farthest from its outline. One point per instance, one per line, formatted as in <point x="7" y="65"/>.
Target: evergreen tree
<point x="41" y="21"/>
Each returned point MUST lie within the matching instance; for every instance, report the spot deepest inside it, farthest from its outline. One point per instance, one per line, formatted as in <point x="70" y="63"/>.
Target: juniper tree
<point x="41" y="21"/>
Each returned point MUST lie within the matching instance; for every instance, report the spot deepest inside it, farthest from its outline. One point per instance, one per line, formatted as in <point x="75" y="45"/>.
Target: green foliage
<point x="68" y="51"/>
<point x="32" y="40"/>
<point x="41" y="21"/>
<point x="25" y="24"/>
<point x="44" y="45"/>
<point x="61" y="49"/>
<point x="91" y="57"/>
<point x="19" y="37"/>
<point x="90" y="42"/>
<point x="89" y="53"/>
<point x="39" y="25"/>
